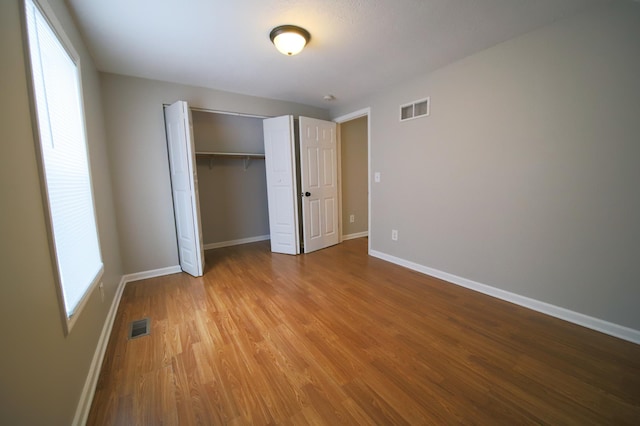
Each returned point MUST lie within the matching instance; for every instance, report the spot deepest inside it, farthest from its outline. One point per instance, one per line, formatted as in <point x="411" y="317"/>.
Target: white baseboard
<point x="606" y="327"/>
<point x="356" y="235"/>
<point x="89" y="389"/>
<point x="152" y="274"/>
<point x="236" y="242"/>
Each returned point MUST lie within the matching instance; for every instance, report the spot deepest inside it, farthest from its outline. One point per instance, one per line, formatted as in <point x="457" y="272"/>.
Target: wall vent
<point x="139" y="328"/>
<point x="415" y="109"/>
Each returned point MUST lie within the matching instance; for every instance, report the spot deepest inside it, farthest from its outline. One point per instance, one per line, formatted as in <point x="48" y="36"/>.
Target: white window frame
<point x="69" y="320"/>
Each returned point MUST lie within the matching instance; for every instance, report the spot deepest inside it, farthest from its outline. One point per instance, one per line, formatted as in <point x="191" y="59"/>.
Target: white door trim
<point x="353" y="115"/>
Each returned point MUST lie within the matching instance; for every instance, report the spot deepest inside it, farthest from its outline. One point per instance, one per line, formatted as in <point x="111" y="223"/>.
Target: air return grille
<point x="415" y="109"/>
<point x="139" y="328"/>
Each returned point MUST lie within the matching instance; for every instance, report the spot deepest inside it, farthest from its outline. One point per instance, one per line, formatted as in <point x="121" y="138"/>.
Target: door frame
<point x="339" y="120"/>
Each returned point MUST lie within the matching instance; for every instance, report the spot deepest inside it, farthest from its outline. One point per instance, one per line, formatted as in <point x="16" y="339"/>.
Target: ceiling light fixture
<point x="289" y="39"/>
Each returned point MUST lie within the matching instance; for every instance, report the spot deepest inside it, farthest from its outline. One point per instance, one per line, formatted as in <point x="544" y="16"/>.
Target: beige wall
<point x="525" y="175"/>
<point x="142" y="188"/>
<point x="42" y="372"/>
<point x="353" y="159"/>
<point x="233" y="201"/>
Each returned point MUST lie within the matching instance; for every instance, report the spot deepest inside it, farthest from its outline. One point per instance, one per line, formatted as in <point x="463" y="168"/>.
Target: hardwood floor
<point x="337" y="337"/>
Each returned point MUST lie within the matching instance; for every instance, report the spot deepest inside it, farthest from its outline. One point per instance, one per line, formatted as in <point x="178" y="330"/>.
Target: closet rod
<point x="238" y="114"/>
<point x="246" y="157"/>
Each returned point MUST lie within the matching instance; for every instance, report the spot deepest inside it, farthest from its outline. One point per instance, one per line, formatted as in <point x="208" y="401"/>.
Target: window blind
<point x="65" y="165"/>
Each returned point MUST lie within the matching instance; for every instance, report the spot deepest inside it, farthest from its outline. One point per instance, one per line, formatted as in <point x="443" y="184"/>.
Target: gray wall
<point x="353" y="159"/>
<point x="525" y="176"/>
<point x="42" y="372"/>
<point x="142" y="189"/>
<point x="233" y="201"/>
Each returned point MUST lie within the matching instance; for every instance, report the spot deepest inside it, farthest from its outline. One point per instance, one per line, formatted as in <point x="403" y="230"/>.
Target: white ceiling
<point x="357" y="46"/>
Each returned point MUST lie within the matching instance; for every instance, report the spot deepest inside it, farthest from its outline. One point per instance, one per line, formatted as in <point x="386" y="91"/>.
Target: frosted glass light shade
<point x="289" y="39"/>
<point x="289" y="43"/>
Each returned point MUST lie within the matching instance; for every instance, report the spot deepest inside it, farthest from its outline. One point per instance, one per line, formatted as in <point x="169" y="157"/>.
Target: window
<point x="63" y="161"/>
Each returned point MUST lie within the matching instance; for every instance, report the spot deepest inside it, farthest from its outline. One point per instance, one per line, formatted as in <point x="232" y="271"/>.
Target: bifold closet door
<point x="184" y="187"/>
<point x="280" y="164"/>
<point x="319" y="188"/>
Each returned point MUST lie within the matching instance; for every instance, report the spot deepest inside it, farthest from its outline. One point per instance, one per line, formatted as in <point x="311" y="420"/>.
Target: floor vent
<point x="139" y="328"/>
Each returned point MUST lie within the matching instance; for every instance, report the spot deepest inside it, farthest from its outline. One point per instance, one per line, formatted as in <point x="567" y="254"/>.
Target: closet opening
<point x="230" y="166"/>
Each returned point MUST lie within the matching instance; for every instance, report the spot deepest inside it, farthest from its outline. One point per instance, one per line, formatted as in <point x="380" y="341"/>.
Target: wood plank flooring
<point x="338" y="337"/>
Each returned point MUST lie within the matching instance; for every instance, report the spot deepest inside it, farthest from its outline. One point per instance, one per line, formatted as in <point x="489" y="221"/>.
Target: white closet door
<point x="184" y="184"/>
<point x="280" y="163"/>
<point x="319" y="180"/>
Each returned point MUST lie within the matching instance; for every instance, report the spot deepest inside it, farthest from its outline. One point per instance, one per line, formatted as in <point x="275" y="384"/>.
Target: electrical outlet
<point x="394" y="234"/>
<point x="101" y="286"/>
<point x="352" y="218"/>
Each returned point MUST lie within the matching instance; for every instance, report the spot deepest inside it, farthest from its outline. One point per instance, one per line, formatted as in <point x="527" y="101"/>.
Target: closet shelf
<point x="246" y="156"/>
<point x="229" y="154"/>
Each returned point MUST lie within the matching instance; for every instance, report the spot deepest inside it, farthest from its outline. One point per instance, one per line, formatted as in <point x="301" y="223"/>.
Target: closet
<point x="238" y="178"/>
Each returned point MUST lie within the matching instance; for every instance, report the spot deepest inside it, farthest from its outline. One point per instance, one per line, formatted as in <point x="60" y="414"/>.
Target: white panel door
<point x="319" y="176"/>
<point x="184" y="185"/>
<point x="280" y="163"/>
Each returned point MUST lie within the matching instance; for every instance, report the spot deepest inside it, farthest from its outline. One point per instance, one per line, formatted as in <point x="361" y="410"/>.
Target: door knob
<point x="307" y="194"/>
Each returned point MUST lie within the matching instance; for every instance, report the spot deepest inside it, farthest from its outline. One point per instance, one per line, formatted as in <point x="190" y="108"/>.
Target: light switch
<point x="376" y="177"/>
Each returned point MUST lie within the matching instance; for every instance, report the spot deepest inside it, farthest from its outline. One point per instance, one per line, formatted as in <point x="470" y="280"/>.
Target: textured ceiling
<point x="357" y="46"/>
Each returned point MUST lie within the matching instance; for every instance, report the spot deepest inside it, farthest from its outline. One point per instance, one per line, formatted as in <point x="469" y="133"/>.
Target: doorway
<point x="354" y="174"/>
